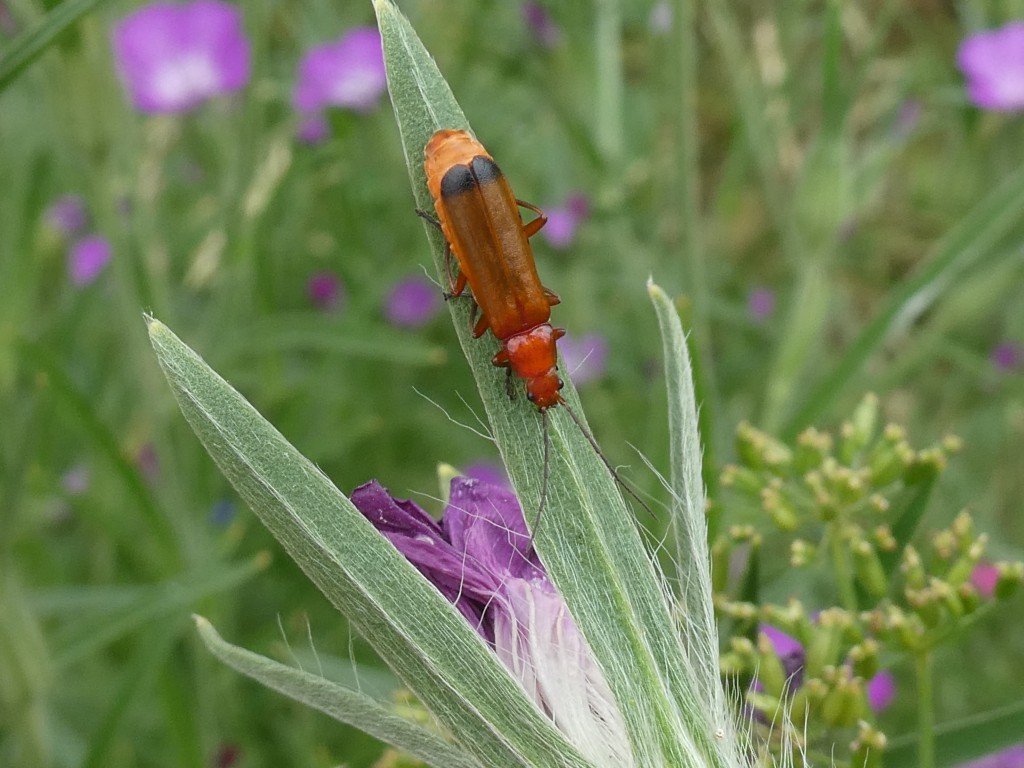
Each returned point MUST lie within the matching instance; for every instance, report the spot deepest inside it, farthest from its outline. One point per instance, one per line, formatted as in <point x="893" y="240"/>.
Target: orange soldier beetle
<point x="480" y="220"/>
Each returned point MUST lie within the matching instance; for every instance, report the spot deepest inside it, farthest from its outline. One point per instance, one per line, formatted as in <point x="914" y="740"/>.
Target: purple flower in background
<point x="87" y="258"/>
<point x="8" y="26"/>
<point x="761" y="303"/>
<point x="325" y="291"/>
<point x="348" y="73"/>
<point x="412" y="302"/>
<point x="313" y="129"/>
<point x="984" y="577"/>
<point x="993" y="62"/>
<point x="881" y="690"/>
<point x="148" y="462"/>
<point x="174" y="57"/>
<point x="479" y="557"/>
<point x="585" y="358"/>
<point x="544" y="30"/>
<point x="1012" y="757"/>
<point x="75" y="481"/>
<point x="67" y="214"/>
<point x="1006" y="356"/>
<point x="563" y="221"/>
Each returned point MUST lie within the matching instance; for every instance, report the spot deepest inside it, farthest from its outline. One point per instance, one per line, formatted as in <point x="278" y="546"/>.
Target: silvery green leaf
<point x="420" y="635"/>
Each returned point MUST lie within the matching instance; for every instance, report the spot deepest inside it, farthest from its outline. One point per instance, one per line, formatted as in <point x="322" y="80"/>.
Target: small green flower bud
<point x="884" y="539"/>
<point x="845" y="704"/>
<point x="778" y="507"/>
<point x="924" y="603"/>
<point x="864" y="658"/>
<point x="969" y="598"/>
<point x="759" y="450"/>
<point x="770" y="670"/>
<point x="1010" y="577"/>
<point x="964" y="565"/>
<point x="824" y="643"/>
<point x="801" y="553"/>
<point x="878" y="503"/>
<point x="927" y="464"/>
<point x="913" y="569"/>
<point x="870" y="572"/>
<point x="889" y="458"/>
<point x="742" y="479"/>
<point x="812" y="448"/>
<point x="857" y="432"/>
<point x="868" y="748"/>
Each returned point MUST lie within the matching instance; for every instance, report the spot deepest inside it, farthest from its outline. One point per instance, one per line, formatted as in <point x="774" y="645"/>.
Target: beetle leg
<point x="534" y="226"/>
<point x="428" y="218"/>
<point x="557" y="333"/>
<point x="501" y="359"/>
<point x="552" y="297"/>
<point x="481" y="325"/>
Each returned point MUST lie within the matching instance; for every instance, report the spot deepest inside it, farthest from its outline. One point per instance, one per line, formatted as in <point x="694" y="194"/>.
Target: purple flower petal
<point x="325" y="291"/>
<point x="544" y="30"/>
<point x="1006" y="356"/>
<point x="348" y="73"/>
<point x="984" y="577"/>
<point x="585" y="358"/>
<point x="68" y="215"/>
<point x="87" y="259"/>
<point x="489" y="472"/>
<point x="993" y="62"/>
<point x="174" y="57"/>
<point x="761" y="303"/>
<point x="313" y="129"/>
<point x="564" y="220"/>
<point x="881" y="690"/>
<point x="1013" y="757"/>
<point x="477" y="558"/>
<point x="412" y="302"/>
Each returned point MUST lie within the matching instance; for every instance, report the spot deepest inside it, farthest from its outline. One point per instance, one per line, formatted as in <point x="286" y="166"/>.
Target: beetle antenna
<point x="544" y="477"/>
<point x="597" y="449"/>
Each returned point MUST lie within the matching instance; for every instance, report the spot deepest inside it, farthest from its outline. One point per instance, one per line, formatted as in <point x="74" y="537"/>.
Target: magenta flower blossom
<point x="985" y="577"/>
<point x="325" y="291"/>
<point x="881" y="690"/>
<point x="172" y="57"/>
<point x="539" y="22"/>
<point x="585" y="358"/>
<point x="760" y="304"/>
<point x="479" y="557"/>
<point x="564" y="220"/>
<point x="412" y="302"/>
<point x="1013" y="757"/>
<point x="348" y="73"/>
<point x="87" y="258"/>
<point x="1007" y="356"/>
<point x="993" y="62"/>
<point x="67" y="214"/>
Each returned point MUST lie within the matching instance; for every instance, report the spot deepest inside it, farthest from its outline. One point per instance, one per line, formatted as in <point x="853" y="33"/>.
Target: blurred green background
<point x="823" y="154"/>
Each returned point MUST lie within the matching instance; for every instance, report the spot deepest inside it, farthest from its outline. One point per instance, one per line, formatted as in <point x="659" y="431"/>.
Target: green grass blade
<point x="965" y="740"/>
<point x="421" y="636"/>
<point x="586" y="539"/>
<point x="343" y="704"/>
<point x="34" y="42"/>
<point x="963" y="246"/>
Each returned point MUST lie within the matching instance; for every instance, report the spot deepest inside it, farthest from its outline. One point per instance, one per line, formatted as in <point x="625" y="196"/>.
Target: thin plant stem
<point x="925" y="709"/>
<point x="608" y="99"/>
